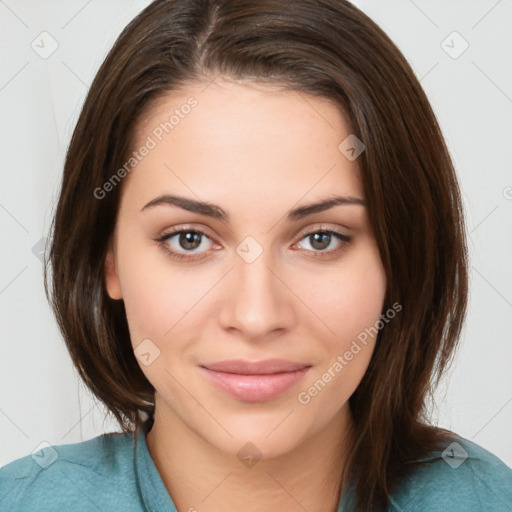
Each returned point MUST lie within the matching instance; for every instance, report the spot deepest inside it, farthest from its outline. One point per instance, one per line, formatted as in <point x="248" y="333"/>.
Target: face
<point x="253" y="276"/>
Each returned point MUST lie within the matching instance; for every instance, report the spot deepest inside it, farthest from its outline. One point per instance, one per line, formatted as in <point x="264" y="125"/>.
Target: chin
<point x="261" y="438"/>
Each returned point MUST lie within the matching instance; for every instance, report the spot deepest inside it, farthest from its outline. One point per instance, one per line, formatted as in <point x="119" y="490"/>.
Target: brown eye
<point x="183" y="243"/>
<point x="322" y="239"/>
<point x="189" y="240"/>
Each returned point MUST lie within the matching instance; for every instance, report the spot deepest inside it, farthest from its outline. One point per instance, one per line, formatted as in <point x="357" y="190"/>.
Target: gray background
<point x="41" y="399"/>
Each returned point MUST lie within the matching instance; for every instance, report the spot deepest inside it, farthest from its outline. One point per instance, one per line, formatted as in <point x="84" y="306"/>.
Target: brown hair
<point x="329" y="49"/>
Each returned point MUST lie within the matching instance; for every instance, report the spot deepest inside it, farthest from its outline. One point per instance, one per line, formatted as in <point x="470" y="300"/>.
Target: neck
<point x="199" y="476"/>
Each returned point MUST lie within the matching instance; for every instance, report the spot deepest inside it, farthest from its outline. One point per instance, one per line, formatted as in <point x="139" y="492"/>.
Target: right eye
<point x="181" y="243"/>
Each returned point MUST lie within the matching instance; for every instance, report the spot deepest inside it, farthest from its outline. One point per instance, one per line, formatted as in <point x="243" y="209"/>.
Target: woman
<point x="259" y="266"/>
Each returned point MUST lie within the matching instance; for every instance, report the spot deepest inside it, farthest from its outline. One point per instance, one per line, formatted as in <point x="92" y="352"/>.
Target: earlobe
<point x="111" y="279"/>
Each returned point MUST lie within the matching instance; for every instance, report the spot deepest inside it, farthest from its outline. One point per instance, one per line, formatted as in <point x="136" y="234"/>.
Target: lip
<point x="255" y="381"/>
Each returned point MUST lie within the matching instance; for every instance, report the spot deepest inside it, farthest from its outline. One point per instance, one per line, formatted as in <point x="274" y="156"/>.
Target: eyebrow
<point x="216" y="212"/>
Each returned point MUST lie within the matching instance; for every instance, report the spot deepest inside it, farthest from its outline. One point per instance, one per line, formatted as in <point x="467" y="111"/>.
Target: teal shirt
<point x="115" y="472"/>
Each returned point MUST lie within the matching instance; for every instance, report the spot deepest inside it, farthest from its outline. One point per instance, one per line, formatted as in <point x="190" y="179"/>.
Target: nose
<point x="258" y="303"/>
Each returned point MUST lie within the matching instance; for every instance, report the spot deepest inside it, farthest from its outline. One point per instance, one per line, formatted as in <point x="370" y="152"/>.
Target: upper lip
<point x="267" y="366"/>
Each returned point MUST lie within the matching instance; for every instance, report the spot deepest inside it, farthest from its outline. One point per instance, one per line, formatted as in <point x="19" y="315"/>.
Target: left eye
<point x="321" y="240"/>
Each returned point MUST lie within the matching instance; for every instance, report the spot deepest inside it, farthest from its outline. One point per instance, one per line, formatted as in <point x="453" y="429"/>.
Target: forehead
<point x="250" y="140"/>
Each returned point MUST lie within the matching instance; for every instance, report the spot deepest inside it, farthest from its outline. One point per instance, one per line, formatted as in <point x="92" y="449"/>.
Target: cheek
<point x="352" y="309"/>
<point x="162" y="302"/>
<point x="347" y="298"/>
<point x="153" y="299"/>
<point x="147" y="313"/>
<point x="363" y="302"/>
<point x="157" y="304"/>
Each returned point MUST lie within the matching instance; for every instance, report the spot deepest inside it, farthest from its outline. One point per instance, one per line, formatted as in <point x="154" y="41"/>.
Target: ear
<point x="111" y="279"/>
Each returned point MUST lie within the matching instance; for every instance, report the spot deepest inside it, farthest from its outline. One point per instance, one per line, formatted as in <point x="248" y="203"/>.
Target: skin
<point x="257" y="152"/>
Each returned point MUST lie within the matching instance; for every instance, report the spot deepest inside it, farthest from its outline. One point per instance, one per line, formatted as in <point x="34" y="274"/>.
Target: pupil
<point x="317" y="238"/>
<point x="189" y="240"/>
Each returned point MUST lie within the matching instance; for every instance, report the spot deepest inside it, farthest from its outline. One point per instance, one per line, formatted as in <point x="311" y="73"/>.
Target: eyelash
<point x="344" y="239"/>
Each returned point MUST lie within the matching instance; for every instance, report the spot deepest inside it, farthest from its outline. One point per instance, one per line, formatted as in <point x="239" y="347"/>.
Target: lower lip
<point x="255" y="388"/>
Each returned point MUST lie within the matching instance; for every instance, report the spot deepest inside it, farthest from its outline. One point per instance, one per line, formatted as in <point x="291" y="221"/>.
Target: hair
<point x="328" y="49"/>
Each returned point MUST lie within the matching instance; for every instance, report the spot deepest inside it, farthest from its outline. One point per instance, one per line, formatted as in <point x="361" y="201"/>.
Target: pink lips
<point x="255" y="381"/>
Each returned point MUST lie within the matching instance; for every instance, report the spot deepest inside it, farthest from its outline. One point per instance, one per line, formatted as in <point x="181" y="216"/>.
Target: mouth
<point x="257" y="381"/>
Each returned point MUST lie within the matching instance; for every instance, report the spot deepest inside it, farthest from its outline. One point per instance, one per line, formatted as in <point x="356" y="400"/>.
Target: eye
<point x="183" y="242"/>
<point x="322" y="239"/>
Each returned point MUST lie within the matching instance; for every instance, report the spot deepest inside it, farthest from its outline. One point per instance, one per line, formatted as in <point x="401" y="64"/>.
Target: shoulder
<point x="78" y="475"/>
<point x="463" y="477"/>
